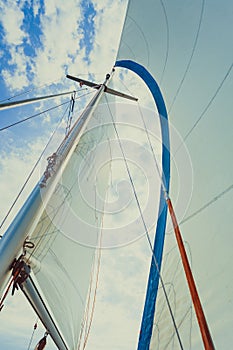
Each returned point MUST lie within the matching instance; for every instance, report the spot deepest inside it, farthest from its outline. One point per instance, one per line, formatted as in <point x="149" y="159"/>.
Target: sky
<point x="42" y="41"/>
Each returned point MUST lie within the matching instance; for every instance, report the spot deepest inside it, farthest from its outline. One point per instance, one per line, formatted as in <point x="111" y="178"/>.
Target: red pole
<point x="206" y="336"/>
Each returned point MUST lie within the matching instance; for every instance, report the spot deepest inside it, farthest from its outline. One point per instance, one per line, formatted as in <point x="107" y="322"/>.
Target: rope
<point x="19" y="275"/>
<point x="33" y="116"/>
<point x="30" y="90"/>
<point x="206" y="336"/>
<point x="33" y="332"/>
<point x="31" y="172"/>
<point x="208" y="204"/>
<point x="6" y="292"/>
<point x="145" y="227"/>
<point x="95" y="291"/>
<point x="70" y="114"/>
<point x="38" y="114"/>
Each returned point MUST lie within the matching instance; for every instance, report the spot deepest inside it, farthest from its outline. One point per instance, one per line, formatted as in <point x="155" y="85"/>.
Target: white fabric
<point x="187" y="47"/>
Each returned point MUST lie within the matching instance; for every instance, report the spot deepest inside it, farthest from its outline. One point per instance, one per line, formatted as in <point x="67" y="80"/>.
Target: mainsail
<point x="103" y="187"/>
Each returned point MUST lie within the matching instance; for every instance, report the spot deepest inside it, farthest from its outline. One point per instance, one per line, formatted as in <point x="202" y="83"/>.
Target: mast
<point x="34" y="298"/>
<point x="13" y="241"/>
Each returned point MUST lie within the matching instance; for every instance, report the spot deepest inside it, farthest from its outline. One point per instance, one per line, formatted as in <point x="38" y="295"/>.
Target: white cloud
<point x="15" y="166"/>
<point x="12" y="17"/>
<point x="36" y="7"/>
<point x="17" y="77"/>
<point x="108" y="24"/>
<point x="60" y="40"/>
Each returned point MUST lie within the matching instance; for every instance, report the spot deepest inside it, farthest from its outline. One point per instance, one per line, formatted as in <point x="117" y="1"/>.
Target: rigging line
<point x="228" y="189"/>
<point x="85" y="321"/>
<point x="32" y="171"/>
<point x="48" y="225"/>
<point x="94" y="299"/>
<point x="145" y="227"/>
<point x="205" y="109"/>
<point x="96" y="285"/>
<point x="97" y="275"/>
<point x="50" y="318"/>
<point x="204" y="329"/>
<point x="38" y="114"/>
<point x="152" y="150"/>
<point x="183" y="319"/>
<point x="191" y="57"/>
<point x="33" y="332"/>
<point x="33" y="116"/>
<point x="30" y="90"/>
<point x="55" y="213"/>
<point x="70" y="114"/>
<point x="167" y="40"/>
<point x="177" y="267"/>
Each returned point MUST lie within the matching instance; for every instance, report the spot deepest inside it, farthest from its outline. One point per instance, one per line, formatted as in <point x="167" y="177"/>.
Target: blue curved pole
<point x="153" y="281"/>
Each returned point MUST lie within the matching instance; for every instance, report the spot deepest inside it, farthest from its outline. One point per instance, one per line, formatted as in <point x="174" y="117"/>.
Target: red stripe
<point x="206" y="336"/>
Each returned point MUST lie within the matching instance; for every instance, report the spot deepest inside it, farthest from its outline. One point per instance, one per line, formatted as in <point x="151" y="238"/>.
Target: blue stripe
<point x="153" y="281"/>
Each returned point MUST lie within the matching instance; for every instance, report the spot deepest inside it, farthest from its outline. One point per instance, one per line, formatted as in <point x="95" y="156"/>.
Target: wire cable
<point x="40" y="113"/>
<point x="208" y="204"/>
<point x="31" y="172"/>
<point x="190" y="59"/>
<point x="30" y="90"/>
<point x="145" y="226"/>
<point x="33" y="332"/>
<point x="33" y="116"/>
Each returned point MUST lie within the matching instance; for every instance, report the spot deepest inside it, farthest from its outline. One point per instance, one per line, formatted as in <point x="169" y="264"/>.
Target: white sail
<point x="187" y="47"/>
<point x="71" y="231"/>
<point x="112" y="171"/>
